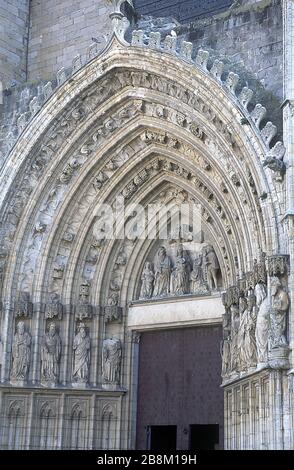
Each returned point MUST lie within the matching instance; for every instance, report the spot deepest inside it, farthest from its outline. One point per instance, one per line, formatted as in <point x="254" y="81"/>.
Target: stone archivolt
<point x="115" y="130"/>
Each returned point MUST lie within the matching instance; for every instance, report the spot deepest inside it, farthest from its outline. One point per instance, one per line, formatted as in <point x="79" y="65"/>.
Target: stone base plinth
<point x="279" y="358"/>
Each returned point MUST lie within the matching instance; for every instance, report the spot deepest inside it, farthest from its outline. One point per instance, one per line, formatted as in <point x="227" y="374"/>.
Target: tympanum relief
<point x="181" y="269"/>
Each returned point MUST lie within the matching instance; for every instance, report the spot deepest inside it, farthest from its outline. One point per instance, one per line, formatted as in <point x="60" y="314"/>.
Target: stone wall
<point x="14" y="17"/>
<point x="183" y="10"/>
<point x="61" y="29"/>
<point x="250" y="36"/>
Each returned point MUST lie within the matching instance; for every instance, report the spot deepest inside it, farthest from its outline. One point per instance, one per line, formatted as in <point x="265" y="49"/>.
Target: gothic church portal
<point x="181" y="341"/>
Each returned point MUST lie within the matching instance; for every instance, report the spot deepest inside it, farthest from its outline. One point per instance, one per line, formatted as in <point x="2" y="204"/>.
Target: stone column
<point x="288" y="116"/>
<point x="7" y="338"/>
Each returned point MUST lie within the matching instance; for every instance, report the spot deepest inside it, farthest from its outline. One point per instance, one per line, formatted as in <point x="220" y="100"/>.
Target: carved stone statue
<point x="147" y="281"/>
<point x="235" y="322"/>
<point x="198" y="284"/>
<point x="24" y="306"/>
<point x="212" y="267"/>
<point x="241" y="333"/>
<point x="226" y="344"/>
<point x="50" y="355"/>
<point x="81" y="347"/>
<point x="280" y="304"/>
<point x="21" y="349"/>
<point x="162" y="268"/>
<point x="180" y="275"/>
<point x="262" y="324"/>
<point x="54" y="307"/>
<point x="111" y="360"/>
<point x="250" y="351"/>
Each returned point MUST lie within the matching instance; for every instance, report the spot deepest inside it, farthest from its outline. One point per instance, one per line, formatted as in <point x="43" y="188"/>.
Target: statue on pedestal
<point x="250" y="350"/>
<point x="50" y="355"/>
<point x="262" y="324"/>
<point x="280" y="305"/>
<point x="81" y="347"/>
<point x="111" y="360"/>
<point x="235" y="322"/>
<point x="21" y="350"/>
<point x="226" y="345"/>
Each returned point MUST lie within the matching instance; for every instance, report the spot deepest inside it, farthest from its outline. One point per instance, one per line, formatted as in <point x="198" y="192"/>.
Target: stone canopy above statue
<point x="180" y="269"/>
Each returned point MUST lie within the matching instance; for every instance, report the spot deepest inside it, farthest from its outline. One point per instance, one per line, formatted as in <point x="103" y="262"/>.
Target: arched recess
<point x="117" y="128"/>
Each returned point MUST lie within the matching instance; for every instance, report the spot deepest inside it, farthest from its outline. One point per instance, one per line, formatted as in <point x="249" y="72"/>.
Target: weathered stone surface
<point x="160" y="121"/>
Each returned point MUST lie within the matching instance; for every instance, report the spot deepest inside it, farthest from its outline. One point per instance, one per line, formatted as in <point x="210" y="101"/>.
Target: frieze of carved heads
<point x="50" y="356"/>
<point x="82" y="352"/>
<point x="21" y="351"/>
<point x="83" y="308"/>
<point x="54" y="308"/>
<point x="23" y="305"/>
<point x="111" y="360"/>
<point x="278" y="265"/>
<point x="186" y="274"/>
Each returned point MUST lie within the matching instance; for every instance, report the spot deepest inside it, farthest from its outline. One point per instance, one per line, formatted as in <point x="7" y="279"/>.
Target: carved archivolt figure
<point x="212" y="267"/>
<point x="180" y="274"/>
<point x="21" y="353"/>
<point x="162" y="268"/>
<point x="111" y="360"/>
<point x="147" y="281"/>
<point x="81" y="347"/>
<point x="262" y="323"/>
<point x="280" y="304"/>
<point x="50" y="355"/>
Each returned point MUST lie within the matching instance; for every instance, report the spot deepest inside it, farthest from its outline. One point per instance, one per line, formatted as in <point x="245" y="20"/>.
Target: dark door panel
<point x="179" y="382"/>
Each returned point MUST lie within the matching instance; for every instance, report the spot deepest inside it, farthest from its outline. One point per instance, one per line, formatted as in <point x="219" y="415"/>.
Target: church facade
<point x="147" y="255"/>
